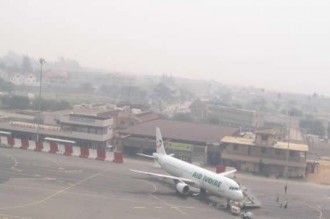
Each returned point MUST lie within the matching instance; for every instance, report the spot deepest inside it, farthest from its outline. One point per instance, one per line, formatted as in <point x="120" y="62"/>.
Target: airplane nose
<point x="240" y="195"/>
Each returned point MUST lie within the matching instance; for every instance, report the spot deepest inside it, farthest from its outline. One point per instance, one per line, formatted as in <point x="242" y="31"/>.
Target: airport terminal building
<point x="262" y="153"/>
<point x="191" y="142"/>
<point x="83" y="129"/>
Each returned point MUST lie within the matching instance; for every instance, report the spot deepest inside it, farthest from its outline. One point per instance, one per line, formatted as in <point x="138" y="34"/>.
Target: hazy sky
<point x="278" y="44"/>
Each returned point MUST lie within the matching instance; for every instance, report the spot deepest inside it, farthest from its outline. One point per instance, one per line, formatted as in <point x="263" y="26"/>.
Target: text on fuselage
<point x="207" y="179"/>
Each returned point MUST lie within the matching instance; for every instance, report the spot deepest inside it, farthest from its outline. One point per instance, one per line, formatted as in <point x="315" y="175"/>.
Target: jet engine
<point x="182" y="188"/>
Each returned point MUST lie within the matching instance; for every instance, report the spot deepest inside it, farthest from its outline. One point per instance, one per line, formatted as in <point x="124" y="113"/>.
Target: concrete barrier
<point x="101" y="154"/>
<point x="4" y="141"/>
<point x="12" y="142"/>
<point x="53" y="148"/>
<point x="24" y="144"/>
<point x="84" y="152"/>
<point x="118" y="157"/>
<point x="63" y="149"/>
<point x="75" y="151"/>
<point x="92" y="154"/>
<point x="46" y="147"/>
<point x="60" y="149"/>
<point x="109" y="156"/>
<point x="39" y="146"/>
<point x="32" y="145"/>
<point x="68" y="150"/>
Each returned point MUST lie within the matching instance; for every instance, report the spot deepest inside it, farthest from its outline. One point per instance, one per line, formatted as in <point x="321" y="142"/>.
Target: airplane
<point x="185" y="175"/>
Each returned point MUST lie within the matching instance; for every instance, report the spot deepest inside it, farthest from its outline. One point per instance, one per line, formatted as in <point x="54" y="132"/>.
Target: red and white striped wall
<point x="62" y="149"/>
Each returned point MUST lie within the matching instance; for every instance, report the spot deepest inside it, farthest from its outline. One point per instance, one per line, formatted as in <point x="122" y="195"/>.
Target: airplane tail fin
<point x="159" y="142"/>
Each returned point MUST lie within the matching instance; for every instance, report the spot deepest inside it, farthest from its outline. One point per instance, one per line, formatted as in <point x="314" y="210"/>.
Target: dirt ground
<point x="322" y="173"/>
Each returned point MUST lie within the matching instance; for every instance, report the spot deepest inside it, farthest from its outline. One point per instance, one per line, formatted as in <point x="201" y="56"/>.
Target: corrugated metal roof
<point x="182" y="131"/>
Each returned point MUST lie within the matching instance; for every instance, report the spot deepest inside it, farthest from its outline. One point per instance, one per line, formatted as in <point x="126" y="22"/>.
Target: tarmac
<point x="42" y="185"/>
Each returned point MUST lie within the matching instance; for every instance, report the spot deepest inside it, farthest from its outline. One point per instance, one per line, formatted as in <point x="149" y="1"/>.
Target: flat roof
<point x="55" y="133"/>
<point x="279" y="145"/>
<point x="238" y="140"/>
<point x="292" y="146"/>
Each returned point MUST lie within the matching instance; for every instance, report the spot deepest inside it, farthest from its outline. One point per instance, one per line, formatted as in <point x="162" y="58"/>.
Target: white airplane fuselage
<point x="214" y="183"/>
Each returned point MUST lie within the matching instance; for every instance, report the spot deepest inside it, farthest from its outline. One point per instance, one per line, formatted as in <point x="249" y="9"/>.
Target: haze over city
<point x="274" y="44"/>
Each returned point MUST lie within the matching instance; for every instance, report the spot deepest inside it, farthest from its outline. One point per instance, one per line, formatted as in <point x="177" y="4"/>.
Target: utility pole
<point x="42" y="61"/>
<point x="287" y="156"/>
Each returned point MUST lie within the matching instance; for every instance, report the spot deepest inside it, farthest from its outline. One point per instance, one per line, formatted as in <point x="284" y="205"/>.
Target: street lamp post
<point x="42" y="61"/>
<point x="287" y="156"/>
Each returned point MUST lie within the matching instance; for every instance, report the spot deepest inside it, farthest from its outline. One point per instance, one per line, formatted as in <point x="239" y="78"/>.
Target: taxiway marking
<point x="54" y="194"/>
<point x="177" y="208"/>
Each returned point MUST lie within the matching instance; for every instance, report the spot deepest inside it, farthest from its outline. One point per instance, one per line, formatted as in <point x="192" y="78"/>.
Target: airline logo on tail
<point x="159" y="143"/>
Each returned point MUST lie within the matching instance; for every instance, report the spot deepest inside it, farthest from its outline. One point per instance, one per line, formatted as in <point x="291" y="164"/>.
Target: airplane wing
<point x="227" y="172"/>
<point x="146" y="155"/>
<point x="185" y="180"/>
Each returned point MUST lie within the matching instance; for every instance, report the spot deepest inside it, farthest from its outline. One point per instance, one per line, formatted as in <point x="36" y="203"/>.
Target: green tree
<point x="26" y="64"/>
<point x="15" y="102"/>
<point x="185" y="117"/>
<point x="87" y="87"/>
<point x="163" y="92"/>
<point x="133" y="94"/>
<point x="213" y="119"/>
<point x="6" y="86"/>
<point x="312" y="126"/>
<point x="50" y="105"/>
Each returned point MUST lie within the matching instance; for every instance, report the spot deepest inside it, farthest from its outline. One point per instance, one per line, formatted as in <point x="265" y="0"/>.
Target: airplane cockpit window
<point x="233" y="188"/>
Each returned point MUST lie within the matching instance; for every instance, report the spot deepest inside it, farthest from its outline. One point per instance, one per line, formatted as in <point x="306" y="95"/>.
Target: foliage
<point x="213" y="119"/>
<point x="50" y="105"/>
<point x="63" y="62"/>
<point x="185" y="117"/>
<point x="87" y="87"/>
<point x="296" y="112"/>
<point x="312" y="126"/>
<point x="26" y="64"/>
<point x="6" y="86"/>
<point x="163" y="92"/>
<point x="132" y="94"/>
<point x="23" y="102"/>
<point x="15" y="102"/>
<point x="186" y="95"/>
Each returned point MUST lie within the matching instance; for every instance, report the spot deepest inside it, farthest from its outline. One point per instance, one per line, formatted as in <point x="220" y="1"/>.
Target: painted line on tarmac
<point x="187" y="207"/>
<point x="15" y="169"/>
<point x="56" y="193"/>
<point x="315" y="207"/>
<point x="139" y="207"/>
<point x="14" y="166"/>
<point x="10" y="216"/>
<point x="177" y="208"/>
<point x="169" y="205"/>
<point x="13" y="159"/>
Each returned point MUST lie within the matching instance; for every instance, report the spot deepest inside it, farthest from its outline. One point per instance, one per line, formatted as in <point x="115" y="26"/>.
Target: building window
<point x="264" y="137"/>
<point x="263" y="150"/>
<point x="294" y="154"/>
<point x="277" y="151"/>
<point x="235" y="147"/>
